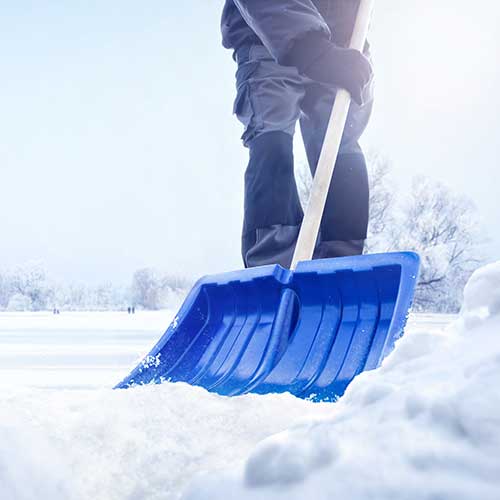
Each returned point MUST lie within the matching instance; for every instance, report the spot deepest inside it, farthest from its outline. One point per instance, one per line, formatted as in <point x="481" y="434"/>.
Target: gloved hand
<point x="323" y="61"/>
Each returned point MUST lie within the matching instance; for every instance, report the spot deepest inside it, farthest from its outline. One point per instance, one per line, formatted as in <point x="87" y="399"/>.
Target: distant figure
<point x="133" y="310"/>
<point x="129" y="310"/>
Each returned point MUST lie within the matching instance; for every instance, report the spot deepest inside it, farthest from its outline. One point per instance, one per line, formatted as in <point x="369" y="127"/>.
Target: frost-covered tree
<point x="146" y="288"/>
<point x="5" y="291"/>
<point x="71" y="297"/>
<point x="152" y="289"/>
<point x="19" y="303"/>
<point x="443" y="228"/>
<point x="30" y="280"/>
<point x="173" y="289"/>
<point x="438" y="224"/>
<point x="103" y="296"/>
<point x="382" y="206"/>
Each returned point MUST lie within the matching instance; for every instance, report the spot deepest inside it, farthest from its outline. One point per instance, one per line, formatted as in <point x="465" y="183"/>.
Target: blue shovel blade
<point x="267" y="329"/>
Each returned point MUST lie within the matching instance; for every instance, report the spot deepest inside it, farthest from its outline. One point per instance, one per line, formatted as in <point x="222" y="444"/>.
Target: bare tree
<point x="174" y="282"/>
<point x="146" y="289"/>
<point x="30" y="281"/>
<point x="382" y="205"/>
<point x="152" y="289"/>
<point x="4" y="291"/>
<point x="443" y="228"/>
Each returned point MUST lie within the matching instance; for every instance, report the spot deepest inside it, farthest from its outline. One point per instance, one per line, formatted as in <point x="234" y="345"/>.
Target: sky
<point x="118" y="148"/>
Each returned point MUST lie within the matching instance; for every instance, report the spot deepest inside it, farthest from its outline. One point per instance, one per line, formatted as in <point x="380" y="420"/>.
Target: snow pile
<point x="29" y="469"/>
<point x="482" y="295"/>
<point x="424" y="426"/>
<point x="141" y="444"/>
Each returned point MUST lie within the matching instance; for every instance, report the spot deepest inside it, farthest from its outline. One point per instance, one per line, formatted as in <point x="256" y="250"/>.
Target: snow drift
<point x="426" y="425"/>
<point x="140" y="444"/>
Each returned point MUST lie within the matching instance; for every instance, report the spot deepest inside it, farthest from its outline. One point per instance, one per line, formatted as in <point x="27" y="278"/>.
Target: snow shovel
<point x="308" y="330"/>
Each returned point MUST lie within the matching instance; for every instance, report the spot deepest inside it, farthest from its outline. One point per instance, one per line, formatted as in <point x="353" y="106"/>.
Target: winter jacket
<point x="279" y="24"/>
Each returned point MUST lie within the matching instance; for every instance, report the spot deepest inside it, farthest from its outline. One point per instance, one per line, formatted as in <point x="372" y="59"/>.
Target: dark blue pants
<point x="270" y="100"/>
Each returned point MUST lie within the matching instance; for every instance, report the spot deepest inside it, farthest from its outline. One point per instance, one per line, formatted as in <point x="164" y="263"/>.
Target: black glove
<point x="323" y="61"/>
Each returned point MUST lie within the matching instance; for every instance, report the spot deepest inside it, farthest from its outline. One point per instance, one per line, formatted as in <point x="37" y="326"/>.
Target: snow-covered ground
<point x="425" y="425"/>
<point x="65" y="434"/>
<point x="74" y="350"/>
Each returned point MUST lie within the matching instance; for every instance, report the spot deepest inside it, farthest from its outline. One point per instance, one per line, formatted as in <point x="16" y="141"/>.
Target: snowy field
<point x="424" y="426"/>
<point x="74" y="350"/>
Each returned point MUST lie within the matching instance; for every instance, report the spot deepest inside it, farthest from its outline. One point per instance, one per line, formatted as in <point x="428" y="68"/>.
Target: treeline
<point x="30" y="288"/>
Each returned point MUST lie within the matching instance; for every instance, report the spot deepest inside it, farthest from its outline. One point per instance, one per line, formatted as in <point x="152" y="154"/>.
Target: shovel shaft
<point x="331" y="144"/>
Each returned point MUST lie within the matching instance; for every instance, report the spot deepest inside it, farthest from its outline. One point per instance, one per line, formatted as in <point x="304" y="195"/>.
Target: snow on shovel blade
<point x="268" y="329"/>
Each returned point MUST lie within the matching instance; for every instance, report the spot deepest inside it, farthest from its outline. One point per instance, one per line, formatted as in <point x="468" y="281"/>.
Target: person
<point x="292" y="56"/>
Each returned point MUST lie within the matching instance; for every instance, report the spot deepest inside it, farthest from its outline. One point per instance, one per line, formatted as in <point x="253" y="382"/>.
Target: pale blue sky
<point x="118" y="148"/>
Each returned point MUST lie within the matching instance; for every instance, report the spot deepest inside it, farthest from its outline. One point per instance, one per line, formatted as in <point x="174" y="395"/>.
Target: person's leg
<point x="268" y="104"/>
<point x="272" y="208"/>
<point x="345" y="219"/>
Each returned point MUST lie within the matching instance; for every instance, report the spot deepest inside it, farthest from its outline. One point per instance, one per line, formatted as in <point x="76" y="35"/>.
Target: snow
<point x="426" y="425"/>
<point x="140" y="444"/>
<point x="65" y="434"/>
<point x="482" y="295"/>
<point x="74" y="350"/>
